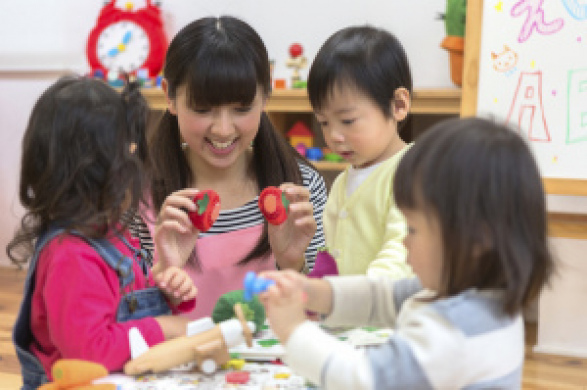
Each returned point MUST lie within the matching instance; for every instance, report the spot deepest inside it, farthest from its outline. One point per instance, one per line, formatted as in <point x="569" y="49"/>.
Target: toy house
<point x="300" y="134"/>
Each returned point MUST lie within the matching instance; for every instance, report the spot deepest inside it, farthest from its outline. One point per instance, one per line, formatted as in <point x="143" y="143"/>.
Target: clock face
<point x="123" y="46"/>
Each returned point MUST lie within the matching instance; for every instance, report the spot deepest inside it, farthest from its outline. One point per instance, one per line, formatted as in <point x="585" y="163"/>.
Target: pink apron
<point x="219" y="273"/>
<point x="218" y="256"/>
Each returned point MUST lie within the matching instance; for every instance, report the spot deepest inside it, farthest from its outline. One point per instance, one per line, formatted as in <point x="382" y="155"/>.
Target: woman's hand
<point x="290" y="240"/>
<point x="175" y="236"/>
<point x="176" y="284"/>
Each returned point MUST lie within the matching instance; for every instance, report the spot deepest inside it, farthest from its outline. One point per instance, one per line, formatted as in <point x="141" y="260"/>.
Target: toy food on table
<point x="208" y="348"/>
<point x="274" y="205"/>
<point x="252" y="308"/>
<point x="208" y="203"/>
<point x="77" y="374"/>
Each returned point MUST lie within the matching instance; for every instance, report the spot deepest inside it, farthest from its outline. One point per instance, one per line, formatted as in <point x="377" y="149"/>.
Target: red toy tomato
<point x="273" y="205"/>
<point x="295" y="50"/>
<point x="208" y="203"/>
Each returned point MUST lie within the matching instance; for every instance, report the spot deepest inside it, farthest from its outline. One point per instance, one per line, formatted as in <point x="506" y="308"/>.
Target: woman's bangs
<point x="212" y="83"/>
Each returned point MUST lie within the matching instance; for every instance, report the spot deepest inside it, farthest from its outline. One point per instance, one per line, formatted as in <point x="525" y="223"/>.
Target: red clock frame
<point x="148" y="18"/>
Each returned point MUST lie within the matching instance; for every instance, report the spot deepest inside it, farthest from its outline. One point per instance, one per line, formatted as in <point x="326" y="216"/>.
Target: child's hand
<point x="175" y="236"/>
<point x="176" y="284"/>
<point x="285" y="302"/>
<point x="290" y="239"/>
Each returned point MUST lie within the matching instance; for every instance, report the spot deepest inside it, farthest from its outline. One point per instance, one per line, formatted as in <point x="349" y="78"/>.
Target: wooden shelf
<point x="425" y="101"/>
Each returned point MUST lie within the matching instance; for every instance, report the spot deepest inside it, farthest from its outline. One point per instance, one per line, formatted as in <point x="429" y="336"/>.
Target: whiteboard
<point x="533" y="75"/>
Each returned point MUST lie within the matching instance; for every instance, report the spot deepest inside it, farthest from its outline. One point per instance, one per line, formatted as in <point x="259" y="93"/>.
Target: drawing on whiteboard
<point x="527" y="110"/>
<point x="505" y="62"/>
<point x="577" y="8"/>
<point x="577" y="106"/>
<point x="534" y="19"/>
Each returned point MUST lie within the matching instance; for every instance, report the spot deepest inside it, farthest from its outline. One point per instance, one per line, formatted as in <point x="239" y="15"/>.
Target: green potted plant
<point x="454" y="24"/>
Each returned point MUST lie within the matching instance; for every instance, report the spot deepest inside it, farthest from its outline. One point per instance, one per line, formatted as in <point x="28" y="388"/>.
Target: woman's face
<point x="217" y="136"/>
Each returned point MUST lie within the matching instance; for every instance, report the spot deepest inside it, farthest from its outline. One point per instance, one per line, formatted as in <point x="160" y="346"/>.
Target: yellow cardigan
<point x="364" y="232"/>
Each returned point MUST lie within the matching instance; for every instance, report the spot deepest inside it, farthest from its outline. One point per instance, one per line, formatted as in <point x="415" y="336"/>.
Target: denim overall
<point x="134" y="305"/>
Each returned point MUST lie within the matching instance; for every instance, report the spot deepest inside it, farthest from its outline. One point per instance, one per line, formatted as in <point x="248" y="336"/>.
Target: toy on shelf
<point x="297" y="62"/>
<point x="127" y="39"/>
<point x="454" y="42"/>
<point x="254" y="285"/>
<point x="74" y="374"/>
<point x="314" y="154"/>
<point x="273" y="205"/>
<point x="208" y="203"/>
<point x="299" y="133"/>
<point x="252" y="308"/>
<point x="208" y="347"/>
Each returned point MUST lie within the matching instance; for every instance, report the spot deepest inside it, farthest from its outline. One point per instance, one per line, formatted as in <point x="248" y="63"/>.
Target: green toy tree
<point x="253" y="310"/>
<point x="454" y="24"/>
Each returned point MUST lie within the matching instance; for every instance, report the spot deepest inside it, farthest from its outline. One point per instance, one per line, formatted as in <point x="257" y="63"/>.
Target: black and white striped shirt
<point x="249" y="215"/>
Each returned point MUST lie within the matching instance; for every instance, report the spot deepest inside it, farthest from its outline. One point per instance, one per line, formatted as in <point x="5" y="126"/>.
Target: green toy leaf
<point x="203" y="204"/>
<point x="284" y="201"/>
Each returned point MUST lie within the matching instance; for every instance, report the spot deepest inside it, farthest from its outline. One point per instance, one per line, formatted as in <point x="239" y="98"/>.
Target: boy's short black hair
<point x="369" y="59"/>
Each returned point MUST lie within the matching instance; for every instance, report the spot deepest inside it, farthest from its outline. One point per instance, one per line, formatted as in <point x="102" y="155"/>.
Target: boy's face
<point x="424" y="244"/>
<point x="355" y="127"/>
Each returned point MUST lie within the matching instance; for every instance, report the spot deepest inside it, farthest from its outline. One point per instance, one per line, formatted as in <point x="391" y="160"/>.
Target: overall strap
<point x="141" y="256"/>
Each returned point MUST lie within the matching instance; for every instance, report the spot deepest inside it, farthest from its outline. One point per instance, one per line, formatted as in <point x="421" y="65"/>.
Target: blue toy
<point x="255" y="285"/>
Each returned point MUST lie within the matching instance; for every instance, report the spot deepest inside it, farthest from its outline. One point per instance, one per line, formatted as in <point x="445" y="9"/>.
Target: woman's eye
<point x="411" y="230"/>
<point x="201" y="110"/>
<point x="244" y="109"/>
<point x="323" y="123"/>
<point x="348" y="121"/>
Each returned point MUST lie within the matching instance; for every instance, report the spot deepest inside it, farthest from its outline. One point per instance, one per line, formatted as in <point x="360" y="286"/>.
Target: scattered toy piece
<point x="274" y="205"/>
<point x="237" y="377"/>
<point x="254" y="285"/>
<point x="73" y="372"/>
<point x="208" y="203"/>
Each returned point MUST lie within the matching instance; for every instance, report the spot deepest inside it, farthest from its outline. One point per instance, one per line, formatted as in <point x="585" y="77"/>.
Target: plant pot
<point x="455" y="46"/>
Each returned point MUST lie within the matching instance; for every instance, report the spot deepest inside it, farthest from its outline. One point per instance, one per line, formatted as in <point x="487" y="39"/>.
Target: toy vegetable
<point x="273" y="205"/>
<point x="252" y="309"/>
<point x="208" y="203"/>
<point x="77" y="374"/>
<point x="325" y="265"/>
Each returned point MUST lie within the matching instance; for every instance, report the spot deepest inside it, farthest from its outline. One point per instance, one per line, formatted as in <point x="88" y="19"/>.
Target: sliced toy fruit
<point x="274" y="205"/>
<point x="208" y="203"/>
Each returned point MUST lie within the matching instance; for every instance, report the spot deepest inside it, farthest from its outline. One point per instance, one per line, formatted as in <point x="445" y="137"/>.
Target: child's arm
<point x="391" y="258"/>
<point x="80" y="294"/>
<point x="177" y="286"/>
<point x="290" y="239"/>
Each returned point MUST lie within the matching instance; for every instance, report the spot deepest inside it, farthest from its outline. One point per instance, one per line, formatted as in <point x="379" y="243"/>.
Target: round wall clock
<point x="126" y="40"/>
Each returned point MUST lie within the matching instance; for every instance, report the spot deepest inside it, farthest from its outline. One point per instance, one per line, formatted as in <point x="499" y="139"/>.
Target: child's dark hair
<point x="82" y="156"/>
<point x="369" y="59"/>
<point x="481" y="181"/>
<point x="219" y="61"/>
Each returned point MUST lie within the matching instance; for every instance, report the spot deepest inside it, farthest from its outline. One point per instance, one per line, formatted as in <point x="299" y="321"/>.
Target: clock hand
<point x="120" y="48"/>
<point x="126" y="38"/>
